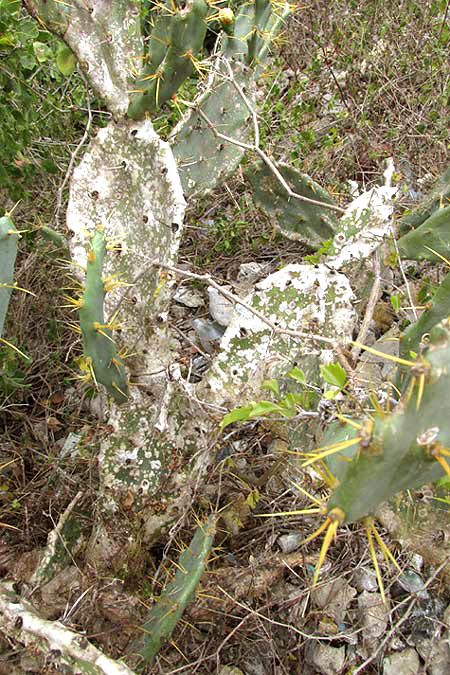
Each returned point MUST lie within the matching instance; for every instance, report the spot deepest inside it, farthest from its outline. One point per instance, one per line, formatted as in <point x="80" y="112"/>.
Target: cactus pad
<point x="101" y="358"/>
<point x="8" y="252"/>
<point x="296" y="219"/>
<point x="171" y="604"/>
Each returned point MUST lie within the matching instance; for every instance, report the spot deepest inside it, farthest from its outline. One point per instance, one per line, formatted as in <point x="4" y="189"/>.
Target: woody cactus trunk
<point x="125" y="213"/>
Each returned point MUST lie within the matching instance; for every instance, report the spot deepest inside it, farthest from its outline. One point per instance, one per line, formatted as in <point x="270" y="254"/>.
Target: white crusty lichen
<point x="128" y="184"/>
<point x="366" y="223"/>
<point x="304" y="298"/>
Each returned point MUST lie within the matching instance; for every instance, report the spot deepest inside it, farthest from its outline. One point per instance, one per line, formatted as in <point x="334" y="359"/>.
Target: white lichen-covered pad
<point x="306" y="298"/>
<point x="128" y="183"/>
<point x="366" y="222"/>
<point x="106" y="38"/>
<point x="157" y="449"/>
<point x="20" y="621"/>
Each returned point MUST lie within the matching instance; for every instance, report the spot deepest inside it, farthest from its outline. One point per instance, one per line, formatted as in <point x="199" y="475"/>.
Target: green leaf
<point x="65" y="60"/>
<point x="395" y="302"/>
<point x="265" y="407"/>
<point x="236" y="415"/>
<point x="334" y="374"/>
<point x="42" y="51"/>
<point x="298" y="375"/>
<point x="272" y="385"/>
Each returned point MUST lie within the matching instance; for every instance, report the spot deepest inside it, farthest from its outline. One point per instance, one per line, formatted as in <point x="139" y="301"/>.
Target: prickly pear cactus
<point x="430" y="240"/>
<point x="128" y="185"/>
<point x="296" y="219"/>
<point x="374" y="459"/>
<point x="439" y="310"/>
<point x="298" y="297"/>
<point x="106" y="38"/>
<point x="367" y="221"/>
<point x="205" y="160"/>
<point x="175" y="597"/>
<point x="8" y="251"/>
<point x="101" y="360"/>
<point x="177" y="37"/>
<point x="438" y="198"/>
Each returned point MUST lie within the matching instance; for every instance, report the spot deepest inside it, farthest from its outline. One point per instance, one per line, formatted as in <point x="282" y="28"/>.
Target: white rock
<point x="402" y="663"/>
<point x="220" y="308"/>
<point x="188" y="297"/>
<point x="326" y="659"/>
<point x="373" y="615"/>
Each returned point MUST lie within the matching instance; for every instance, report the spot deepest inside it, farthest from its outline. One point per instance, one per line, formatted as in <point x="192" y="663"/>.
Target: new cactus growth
<point x="100" y="355"/>
<point x="295" y="218"/>
<point x="8" y="252"/>
<point x="171" y="604"/>
<point x="181" y="31"/>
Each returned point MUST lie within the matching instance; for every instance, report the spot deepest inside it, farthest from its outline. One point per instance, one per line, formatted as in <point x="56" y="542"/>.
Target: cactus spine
<point x="100" y="356"/>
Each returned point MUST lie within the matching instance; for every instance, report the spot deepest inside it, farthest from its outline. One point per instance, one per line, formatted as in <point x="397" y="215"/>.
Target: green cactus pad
<point x="8" y="252"/>
<point x="203" y="159"/>
<point x="170" y="606"/>
<point x="439" y="196"/>
<point x="99" y="348"/>
<point x="439" y="310"/>
<point x="165" y="75"/>
<point x="430" y="240"/>
<point x="395" y="451"/>
<point x="296" y="219"/>
<point x="255" y="26"/>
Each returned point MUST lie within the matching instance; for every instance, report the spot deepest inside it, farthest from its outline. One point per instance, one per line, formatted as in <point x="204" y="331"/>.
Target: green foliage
<point x="33" y="102"/>
<point x="334" y="375"/>
<point x="65" y="60"/>
<point x="172" y="602"/>
<point x="286" y="406"/>
<point x="12" y="372"/>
